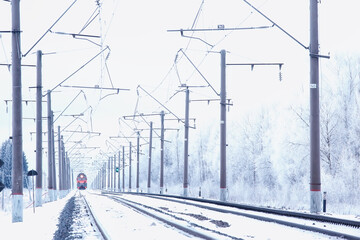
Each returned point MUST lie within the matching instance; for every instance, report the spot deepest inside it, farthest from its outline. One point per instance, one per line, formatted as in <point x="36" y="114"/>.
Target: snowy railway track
<point x="77" y="221"/>
<point x="97" y="226"/>
<point x="335" y="227"/>
<point x="174" y="221"/>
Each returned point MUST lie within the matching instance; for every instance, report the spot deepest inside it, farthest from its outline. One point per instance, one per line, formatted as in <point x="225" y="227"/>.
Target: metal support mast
<point x="162" y="153"/>
<point x="119" y="161"/>
<point x="114" y="189"/>
<point x="130" y="167"/>
<point x="137" y="161"/>
<point x="186" y="144"/>
<point x="38" y="201"/>
<point x="53" y="156"/>
<point x="50" y="162"/>
<point x="104" y="176"/>
<point x="223" y="196"/>
<point x="150" y="151"/>
<point x="17" y="152"/>
<point x="315" y="179"/>
<point x="61" y="178"/>
<point x="123" y="169"/>
<point x="111" y="173"/>
<point x="108" y="175"/>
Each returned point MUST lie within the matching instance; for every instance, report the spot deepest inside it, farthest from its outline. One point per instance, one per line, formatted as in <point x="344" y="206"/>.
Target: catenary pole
<point x="130" y="168"/>
<point x="53" y="156"/>
<point x="114" y="159"/>
<point x="67" y="179"/>
<point x="60" y="164"/>
<point x="17" y="152"/>
<point x="50" y="163"/>
<point x="38" y="201"/>
<point x="123" y="169"/>
<point x="108" y="175"/>
<point x="223" y="127"/>
<point x="150" y="150"/>
<point x="137" y="161"/>
<point x="111" y="174"/>
<point x="63" y="160"/>
<point x="104" y="176"/>
<point x="162" y="153"/>
<point x="315" y="180"/>
<point x="186" y="144"/>
<point x="119" y="162"/>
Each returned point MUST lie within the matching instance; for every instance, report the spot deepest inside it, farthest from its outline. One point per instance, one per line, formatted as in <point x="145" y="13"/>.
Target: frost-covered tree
<point x="6" y="156"/>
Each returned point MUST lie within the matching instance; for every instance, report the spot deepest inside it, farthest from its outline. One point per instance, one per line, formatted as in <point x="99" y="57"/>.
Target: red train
<point x="81" y="181"/>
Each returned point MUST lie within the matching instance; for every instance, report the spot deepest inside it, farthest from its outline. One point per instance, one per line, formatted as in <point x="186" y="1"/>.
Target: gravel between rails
<point x="66" y="221"/>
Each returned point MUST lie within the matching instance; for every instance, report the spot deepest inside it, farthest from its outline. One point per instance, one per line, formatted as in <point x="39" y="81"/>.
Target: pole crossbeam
<point x="219" y="28"/>
<point x="96" y="88"/>
<point x="88" y="132"/>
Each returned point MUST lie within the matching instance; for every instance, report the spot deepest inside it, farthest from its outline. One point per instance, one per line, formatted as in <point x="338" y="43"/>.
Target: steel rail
<point x="141" y="209"/>
<point x="96" y="220"/>
<point x="308" y="216"/>
<point x="263" y="210"/>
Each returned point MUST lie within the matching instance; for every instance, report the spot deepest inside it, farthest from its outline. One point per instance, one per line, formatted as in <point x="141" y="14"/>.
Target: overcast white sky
<point x="143" y="52"/>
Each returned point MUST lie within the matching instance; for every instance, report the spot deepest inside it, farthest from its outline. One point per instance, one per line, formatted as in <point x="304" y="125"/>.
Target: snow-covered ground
<point x="120" y="221"/>
<point x="38" y="225"/>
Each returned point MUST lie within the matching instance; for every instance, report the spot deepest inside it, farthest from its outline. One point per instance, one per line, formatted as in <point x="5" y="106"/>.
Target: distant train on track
<point x="81" y="181"/>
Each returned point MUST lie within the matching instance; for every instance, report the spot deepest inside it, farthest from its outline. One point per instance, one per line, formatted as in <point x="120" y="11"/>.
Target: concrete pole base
<point x="223" y="195"/>
<point x="17" y="208"/>
<point x="62" y="194"/>
<point x="185" y="192"/>
<point x="161" y="190"/>
<point x="51" y="195"/>
<point x="55" y="195"/>
<point x="137" y="190"/>
<point x="315" y="201"/>
<point x="149" y="190"/>
<point x="38" y="197"/>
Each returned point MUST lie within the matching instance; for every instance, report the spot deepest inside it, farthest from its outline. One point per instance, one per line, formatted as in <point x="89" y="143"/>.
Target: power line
<point x="48" y="30"/>
<point x="72" y="74"/>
